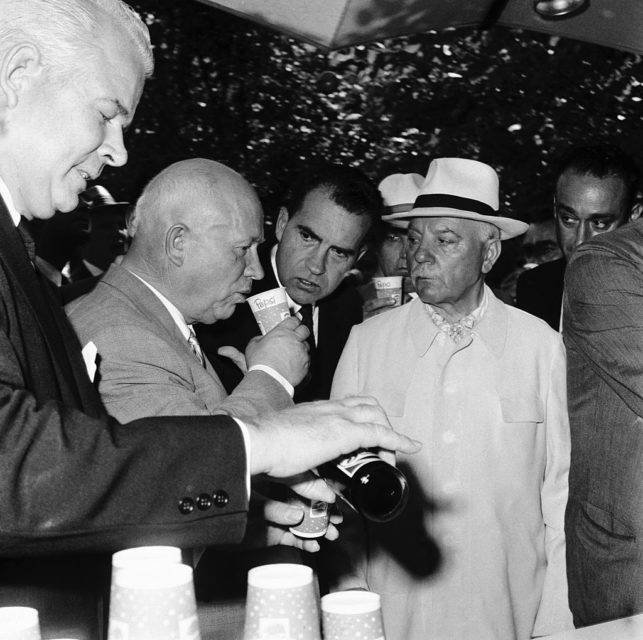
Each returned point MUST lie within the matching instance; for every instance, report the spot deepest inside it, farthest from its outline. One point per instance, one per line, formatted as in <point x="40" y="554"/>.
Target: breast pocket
<point x="392" y="402"/>
<point x="524" y="408"/>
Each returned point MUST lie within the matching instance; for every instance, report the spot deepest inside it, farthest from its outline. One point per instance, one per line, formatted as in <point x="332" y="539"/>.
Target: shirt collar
<point x="177" y="316"/>
<point x="8" y="201"/>
<point x="491" y="328"/>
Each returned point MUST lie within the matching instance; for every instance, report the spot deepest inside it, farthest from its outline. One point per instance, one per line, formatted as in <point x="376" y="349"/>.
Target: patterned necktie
<point x="195" y="346"/>
<point x="27" y="239"/>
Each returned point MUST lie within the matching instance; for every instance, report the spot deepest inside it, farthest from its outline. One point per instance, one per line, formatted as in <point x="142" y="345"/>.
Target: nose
<point x="401" y="258"/>
<point x="253" y="268"/>
<point x="421" y="254"/>
<point x="113" y="149"/>
<point x="584" y="233"/>
<point x="316" y="262"/>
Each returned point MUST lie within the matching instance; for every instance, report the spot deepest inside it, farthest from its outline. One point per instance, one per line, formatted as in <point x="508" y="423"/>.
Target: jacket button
<point x="204" y="501"/>
<point x="186" y="506"/>
<point x="221" y="498"/>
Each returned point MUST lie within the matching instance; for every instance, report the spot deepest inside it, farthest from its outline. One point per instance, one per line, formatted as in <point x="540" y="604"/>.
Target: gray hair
<point x="65" y="30"/>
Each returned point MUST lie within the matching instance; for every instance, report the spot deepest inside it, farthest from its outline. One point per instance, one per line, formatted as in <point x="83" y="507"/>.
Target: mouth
<point x="306" y="285"/>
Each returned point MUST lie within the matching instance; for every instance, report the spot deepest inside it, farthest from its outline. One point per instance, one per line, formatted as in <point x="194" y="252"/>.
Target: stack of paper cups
<point x="347" y="615"/>
<point x="19" y="623"/>
<point x="152" y="596"/>
<point x="281" y="603"/>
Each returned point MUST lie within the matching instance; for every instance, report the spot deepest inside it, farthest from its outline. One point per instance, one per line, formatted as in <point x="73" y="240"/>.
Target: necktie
<point x="196" y="347"/>
<point x="27" y="239"/>
<point x="306" y="313"/>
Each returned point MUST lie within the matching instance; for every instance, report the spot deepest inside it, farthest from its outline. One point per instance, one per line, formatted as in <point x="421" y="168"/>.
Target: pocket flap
<point x="527" y="408"/>
<point x="392" y="402"/>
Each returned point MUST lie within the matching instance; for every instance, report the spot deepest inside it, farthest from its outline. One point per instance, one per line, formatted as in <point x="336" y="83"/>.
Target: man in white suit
<point x="479" y="551"/>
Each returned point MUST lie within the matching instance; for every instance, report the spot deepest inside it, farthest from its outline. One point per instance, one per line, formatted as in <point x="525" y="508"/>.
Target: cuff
<point x="246" y="442"/>
<point x="275" y="375"/>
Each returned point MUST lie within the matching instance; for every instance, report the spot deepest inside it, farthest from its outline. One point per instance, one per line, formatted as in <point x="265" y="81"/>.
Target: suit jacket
<point x="539" y="291"/>
<point x="338" y="313"/>
<point x="488" y="490"/>
<point x="603" y="333"/>
<point x="146" y="367"/>
<point x="73" y="479"/>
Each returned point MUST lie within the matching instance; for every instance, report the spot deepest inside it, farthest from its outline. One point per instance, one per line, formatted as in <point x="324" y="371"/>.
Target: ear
<point x="175" y="244"/>
<point x="282" y="221"/>
<point x="491" y="254"/>
<point x="18" y="66"/>
<point x="635" y="213"/>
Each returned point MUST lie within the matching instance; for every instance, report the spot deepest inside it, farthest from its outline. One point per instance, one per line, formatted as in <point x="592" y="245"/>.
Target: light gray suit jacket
<point x="145" y="367"/>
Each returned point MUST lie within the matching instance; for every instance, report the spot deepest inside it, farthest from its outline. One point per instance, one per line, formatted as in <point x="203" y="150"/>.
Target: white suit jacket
<point x="480" y="550"/>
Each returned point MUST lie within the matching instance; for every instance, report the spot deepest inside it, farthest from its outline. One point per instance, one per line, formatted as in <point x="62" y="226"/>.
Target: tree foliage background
<point x="266" y="104"/>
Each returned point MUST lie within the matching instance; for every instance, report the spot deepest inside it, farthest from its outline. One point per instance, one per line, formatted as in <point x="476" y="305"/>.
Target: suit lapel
<point x="158" y="316"/>
<point x="38" y="297"/>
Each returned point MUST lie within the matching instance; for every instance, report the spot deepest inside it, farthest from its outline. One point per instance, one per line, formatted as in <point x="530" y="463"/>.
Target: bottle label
<point x="351" y="465"/>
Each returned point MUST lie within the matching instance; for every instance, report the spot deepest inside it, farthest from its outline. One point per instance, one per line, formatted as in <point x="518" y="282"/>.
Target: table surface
<point x="624" y="629"/>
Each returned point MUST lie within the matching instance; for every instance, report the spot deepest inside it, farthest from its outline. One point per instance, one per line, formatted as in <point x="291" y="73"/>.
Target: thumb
<point x="235" y="355"/>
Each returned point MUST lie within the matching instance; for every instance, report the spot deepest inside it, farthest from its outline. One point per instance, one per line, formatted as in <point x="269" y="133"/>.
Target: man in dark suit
<point x="73" y="479"/>
<point x="603" y="333"/>
<point x="324" y="225"/>
<point x="595" y="192"/>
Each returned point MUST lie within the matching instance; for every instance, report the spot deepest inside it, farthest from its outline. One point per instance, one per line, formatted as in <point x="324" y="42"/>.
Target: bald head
<point x="196" y="228"/>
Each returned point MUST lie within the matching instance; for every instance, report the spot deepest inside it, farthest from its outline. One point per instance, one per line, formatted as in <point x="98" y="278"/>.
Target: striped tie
<point x="195" y="346"/>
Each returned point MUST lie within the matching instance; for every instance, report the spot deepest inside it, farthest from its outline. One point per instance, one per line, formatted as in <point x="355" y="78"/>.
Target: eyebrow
<point x="597" y="214"/>
<point x="309" y="231"/>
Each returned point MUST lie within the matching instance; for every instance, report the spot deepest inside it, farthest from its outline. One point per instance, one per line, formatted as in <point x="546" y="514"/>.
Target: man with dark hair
<point x="603" y="333"/>
<point x="596" y="190"/>
<point x="327" y="219"/>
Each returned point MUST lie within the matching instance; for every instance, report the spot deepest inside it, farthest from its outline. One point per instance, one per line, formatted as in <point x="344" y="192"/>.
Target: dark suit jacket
<point x="539" y="291"/>
<point x="74" y="480"/>
<point x="338" y="313"/>
<point x="603" y="333"/>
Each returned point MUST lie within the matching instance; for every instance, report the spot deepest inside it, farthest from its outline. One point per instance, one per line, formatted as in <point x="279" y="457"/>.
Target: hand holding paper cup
<point x="269" y="308"/>
<point x="389" y="287"/>
<point x="19" y="623"/>
<point x="347" y="615"/>
<point x="281" y="603"/>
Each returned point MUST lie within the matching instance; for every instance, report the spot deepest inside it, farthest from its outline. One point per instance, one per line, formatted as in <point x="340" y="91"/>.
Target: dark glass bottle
<point x="375" y="488"/>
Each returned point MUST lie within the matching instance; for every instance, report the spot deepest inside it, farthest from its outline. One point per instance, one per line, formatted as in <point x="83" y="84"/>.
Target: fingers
<point x="311" y="487"/>
<point x="282" y="513"/>
<point x="378" y="303"/>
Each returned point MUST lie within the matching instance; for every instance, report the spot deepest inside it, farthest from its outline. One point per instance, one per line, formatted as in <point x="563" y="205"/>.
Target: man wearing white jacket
<point x="480" y="550"/>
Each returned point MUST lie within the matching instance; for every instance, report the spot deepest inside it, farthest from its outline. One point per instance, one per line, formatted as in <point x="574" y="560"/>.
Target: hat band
<point x="446" y="201"/>
<point x="400" y="208"/>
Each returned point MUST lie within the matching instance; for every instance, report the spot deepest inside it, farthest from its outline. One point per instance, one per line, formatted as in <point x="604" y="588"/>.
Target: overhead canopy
<point x="333" y="24"/>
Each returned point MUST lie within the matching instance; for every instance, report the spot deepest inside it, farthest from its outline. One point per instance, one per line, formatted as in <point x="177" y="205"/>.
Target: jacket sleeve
<point x="553" y="613"/>
<point x="72" y="482"/>
<point x="602" y="319"/>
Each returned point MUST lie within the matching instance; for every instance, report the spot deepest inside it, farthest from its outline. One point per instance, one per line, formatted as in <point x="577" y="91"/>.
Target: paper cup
<point x="347" y="615"/>
<point x="145" y="555"/>
<point x="269" y="308"/>
<point x="153" y="603"/>
<point x="19" y="623"/>
<point x="315" y="522"/>
<point x="389" y="287"/>
<point x="281" y="603"/>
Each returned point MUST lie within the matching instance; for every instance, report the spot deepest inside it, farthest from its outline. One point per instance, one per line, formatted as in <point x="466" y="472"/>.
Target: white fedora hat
<point x="461" y="188"/>
<point x="399" y="191"/>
